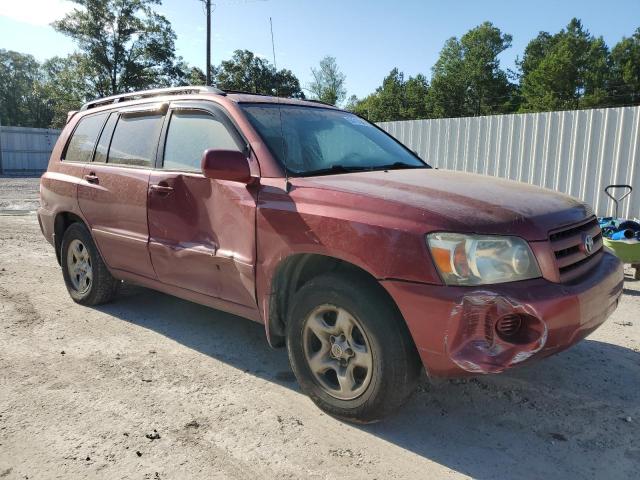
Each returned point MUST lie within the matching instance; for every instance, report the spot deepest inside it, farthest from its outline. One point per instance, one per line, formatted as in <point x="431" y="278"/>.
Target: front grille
<point x="572" y="259"/>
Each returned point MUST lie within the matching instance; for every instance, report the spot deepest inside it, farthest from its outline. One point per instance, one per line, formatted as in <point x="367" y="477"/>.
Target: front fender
<point x="385" y="242"/>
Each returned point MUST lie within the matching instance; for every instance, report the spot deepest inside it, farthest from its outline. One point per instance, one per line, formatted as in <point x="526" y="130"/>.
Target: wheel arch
<point x="63" y="220"/>
<point x="296" y="270"/>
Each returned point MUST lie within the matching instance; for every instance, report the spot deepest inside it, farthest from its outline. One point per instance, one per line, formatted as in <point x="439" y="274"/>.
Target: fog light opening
<point x="518" y="328"/>
<point x="508" y="326"/>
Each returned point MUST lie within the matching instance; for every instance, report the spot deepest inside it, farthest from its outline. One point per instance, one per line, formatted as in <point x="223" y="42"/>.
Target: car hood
<point x="462" y="202"/>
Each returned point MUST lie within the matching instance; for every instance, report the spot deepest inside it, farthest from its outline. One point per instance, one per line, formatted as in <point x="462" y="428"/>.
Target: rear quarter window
<point x="83" y="138"/>
<point x="135" y="140"/>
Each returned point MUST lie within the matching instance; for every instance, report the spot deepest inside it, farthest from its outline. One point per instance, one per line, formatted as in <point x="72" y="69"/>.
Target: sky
<point x="367" y="37"/>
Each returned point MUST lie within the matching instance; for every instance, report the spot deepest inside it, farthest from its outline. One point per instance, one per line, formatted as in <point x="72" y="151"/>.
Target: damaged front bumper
<point x="470" y="330"/>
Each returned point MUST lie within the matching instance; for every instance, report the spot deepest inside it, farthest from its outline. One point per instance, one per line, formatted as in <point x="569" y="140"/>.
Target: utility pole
<point x="208" y="7"/>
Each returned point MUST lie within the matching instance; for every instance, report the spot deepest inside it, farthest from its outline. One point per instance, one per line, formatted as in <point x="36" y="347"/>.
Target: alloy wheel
<point x="338" y="352"/>
<point x="79" y="266"/>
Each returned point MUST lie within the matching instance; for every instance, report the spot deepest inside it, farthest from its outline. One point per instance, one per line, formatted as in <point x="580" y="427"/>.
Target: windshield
<point x="317" y="141"/>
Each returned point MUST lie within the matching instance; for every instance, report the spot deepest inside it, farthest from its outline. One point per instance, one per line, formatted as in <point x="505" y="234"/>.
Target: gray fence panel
<point x="575" y="152"/>
<point x="26" y="150"/>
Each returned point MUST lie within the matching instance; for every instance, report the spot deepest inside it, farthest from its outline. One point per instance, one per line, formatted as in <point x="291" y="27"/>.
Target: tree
<point x="247" y="72"/>
<point x="567" y="70"/>
<point x="128" y="45"/>
<point x="624" y="83"/>
<point x="188" y="75"/>
<point x="396" y="99"/>
<point x="67" y="85"/>
<point x="467" y="79"/>
<point x="328" y="82"/>
<point x="195" y="76"/>
<point x="21" y="97"/>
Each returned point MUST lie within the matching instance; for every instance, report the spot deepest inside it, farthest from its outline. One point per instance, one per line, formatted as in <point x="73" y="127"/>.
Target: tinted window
<point x="189" y="135"/>
<point x="105" y="137"/>
<point x="80" y="147"/>
<point x="135" y="140"/>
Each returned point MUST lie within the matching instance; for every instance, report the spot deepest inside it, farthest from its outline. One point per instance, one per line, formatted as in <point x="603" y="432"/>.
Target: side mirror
<point x="226" y="165"/>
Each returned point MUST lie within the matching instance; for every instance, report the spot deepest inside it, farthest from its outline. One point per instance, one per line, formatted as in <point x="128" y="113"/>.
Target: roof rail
<point x="246" y="92"/>
<point x="315" y="100"/>
<point x="156" y="92"/>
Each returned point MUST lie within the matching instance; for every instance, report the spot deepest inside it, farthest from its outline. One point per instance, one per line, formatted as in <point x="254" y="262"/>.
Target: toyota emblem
<point x="588" y="244"/>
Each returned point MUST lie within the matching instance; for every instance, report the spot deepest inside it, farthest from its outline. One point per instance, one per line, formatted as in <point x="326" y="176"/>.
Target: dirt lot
<point x="19" y="193"/>
<point x="155" y="387"/>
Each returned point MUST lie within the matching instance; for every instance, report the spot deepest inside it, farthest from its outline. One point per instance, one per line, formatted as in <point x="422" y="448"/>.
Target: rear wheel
<point x="350" y="349"/>
<point x="87" y="278"/>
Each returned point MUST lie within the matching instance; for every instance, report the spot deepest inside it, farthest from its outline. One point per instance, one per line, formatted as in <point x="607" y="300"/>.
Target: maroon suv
<point x="364" y="261"/>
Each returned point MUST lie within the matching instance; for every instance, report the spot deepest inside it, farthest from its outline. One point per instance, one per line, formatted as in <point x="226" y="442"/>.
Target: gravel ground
<point x="19" y="193"/>
<point x="152" y="387"/>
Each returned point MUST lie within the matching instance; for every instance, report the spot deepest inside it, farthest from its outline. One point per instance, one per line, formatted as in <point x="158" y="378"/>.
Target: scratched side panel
<point x="202" y="236"/>
<point x="387" y="240"/>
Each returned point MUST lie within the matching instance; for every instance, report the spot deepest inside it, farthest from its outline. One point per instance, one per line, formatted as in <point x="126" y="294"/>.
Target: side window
<point x="83" y="139"/>
<point x="105" y="138"/>
<point x="190" y="134"/>
<point x="135" y="140"/>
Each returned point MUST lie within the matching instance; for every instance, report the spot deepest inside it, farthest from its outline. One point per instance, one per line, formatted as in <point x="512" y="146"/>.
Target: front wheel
<point x="350" y="349"/>
<point x="87" y="278"/>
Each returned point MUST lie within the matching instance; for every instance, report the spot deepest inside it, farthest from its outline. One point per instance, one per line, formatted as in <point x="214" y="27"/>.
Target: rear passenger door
<point x="202" y="231"/>
<point x="77" y="152"/>
<point x="113" y="192"/>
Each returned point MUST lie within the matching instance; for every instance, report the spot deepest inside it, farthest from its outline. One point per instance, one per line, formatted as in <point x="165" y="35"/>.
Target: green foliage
<point x="67" y="85"/>
<point x="564" y="71"/>
<point x="467" y="79"/>
<point x="188" y="75"/>
<point x="124" y="45"/>
<point x="624" y="83"/>
<point x="328" y="82"/>
<point x="396" y="99"/>
<point x="247" y="72"/>
<point x="128" y="45"/>
<point x="22" y="100"/>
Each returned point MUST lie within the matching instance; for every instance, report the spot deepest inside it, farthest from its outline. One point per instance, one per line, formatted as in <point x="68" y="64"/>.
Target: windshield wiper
<point x="334" y="169"/>
<point x="397" y="166"/>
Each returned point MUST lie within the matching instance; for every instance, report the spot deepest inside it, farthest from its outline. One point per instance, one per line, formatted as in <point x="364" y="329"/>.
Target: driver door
<point x="201" y="231"/>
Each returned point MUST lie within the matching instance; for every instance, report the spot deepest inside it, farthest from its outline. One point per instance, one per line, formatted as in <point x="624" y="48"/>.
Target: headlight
<point x="481" y="259"/>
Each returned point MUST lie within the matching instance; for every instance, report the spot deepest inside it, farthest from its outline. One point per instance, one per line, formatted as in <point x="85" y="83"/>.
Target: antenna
<point x="287" y="184"/>
<point x="273" y="45"/>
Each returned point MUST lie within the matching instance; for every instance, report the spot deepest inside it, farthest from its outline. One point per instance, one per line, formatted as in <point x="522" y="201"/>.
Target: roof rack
<point x="315" y="100"/>
<point x="245" y="92"/>
<point x="312" y="100"/>
<point x="156" y="92"/>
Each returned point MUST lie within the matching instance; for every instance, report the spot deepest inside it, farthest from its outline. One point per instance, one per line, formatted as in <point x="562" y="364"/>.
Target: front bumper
<point x="449" y="324"/>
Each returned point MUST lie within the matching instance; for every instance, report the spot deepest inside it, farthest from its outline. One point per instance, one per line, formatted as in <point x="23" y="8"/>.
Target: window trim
<point x="73" y="132"/>
<point x="150" y="110"/>
<point x="116" y="115"/>
<point x="209" y="108"/>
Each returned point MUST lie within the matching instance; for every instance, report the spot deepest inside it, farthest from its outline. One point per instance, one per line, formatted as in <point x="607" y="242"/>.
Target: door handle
<point x="161" y="189"/>
<point x="91" y="178"/>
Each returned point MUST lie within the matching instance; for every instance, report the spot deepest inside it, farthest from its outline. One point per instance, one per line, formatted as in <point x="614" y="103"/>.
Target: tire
<point x="78" y="245"/>
<point x="378" y="384"/>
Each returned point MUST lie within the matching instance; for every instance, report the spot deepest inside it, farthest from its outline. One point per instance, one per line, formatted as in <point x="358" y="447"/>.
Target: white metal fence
<point x="575" y="152"/>
<point x="25" y="151"/>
